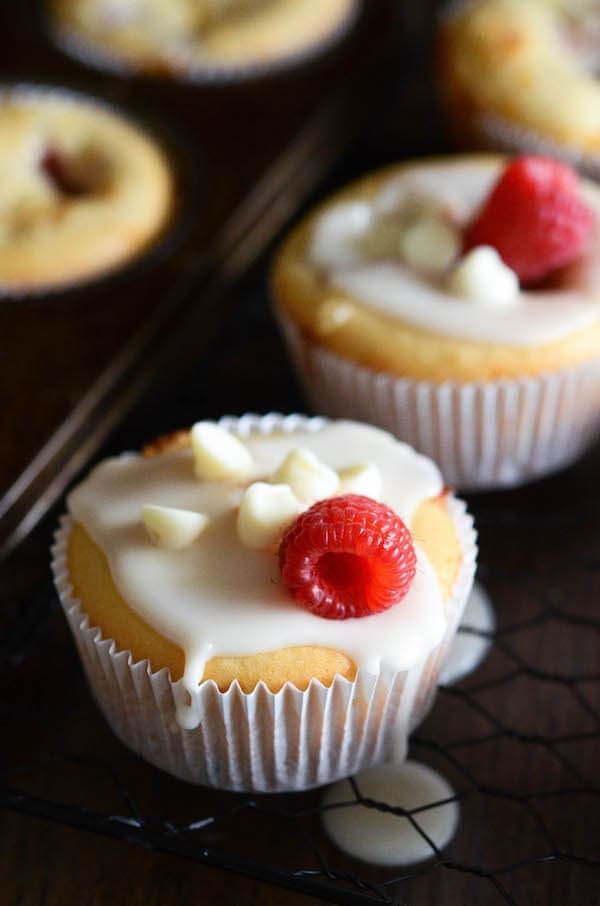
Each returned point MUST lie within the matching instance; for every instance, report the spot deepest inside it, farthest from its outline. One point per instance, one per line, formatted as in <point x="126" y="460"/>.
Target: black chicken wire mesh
<point x="518" y="740"/>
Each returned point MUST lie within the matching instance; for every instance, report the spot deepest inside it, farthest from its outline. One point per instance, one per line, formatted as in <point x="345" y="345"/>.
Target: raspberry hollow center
<point x="347" y="556"/>
<point x="343" y="572"/>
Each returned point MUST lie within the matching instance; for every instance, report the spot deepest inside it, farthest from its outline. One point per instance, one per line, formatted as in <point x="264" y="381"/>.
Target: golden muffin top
<point x="187" y="35"/>
<point x="190" y="537"/>
<point x="533" y="63"/>
<point x="382" y="273"/>
<point x="82" y="190"/>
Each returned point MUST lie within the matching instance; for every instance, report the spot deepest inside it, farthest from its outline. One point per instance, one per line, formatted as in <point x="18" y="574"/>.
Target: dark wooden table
<point x="519" y="740"/>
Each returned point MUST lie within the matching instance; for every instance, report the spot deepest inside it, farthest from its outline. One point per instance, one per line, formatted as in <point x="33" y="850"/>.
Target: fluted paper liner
<point x="490" y="434"/>
<point x="262" y="741"/>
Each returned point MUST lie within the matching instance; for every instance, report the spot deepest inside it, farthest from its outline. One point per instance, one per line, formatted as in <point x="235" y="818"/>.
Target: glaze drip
<point x="385" y="838"/>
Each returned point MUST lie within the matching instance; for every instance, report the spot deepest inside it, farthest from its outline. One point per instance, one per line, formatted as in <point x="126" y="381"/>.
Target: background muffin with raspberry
<point x="455" y="302"/>
<point x="83" y="190"/>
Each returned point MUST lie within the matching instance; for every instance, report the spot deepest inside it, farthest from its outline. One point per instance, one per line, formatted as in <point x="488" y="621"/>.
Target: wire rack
<point x="518" y="740"/>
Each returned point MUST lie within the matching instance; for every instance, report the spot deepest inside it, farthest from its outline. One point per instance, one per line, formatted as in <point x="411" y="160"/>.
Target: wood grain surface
<point x="519" y="740"/>
<point x="60" y="866"/>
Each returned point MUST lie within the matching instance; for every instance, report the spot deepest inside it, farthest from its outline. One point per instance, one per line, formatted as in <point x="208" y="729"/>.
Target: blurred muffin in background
<point x="82" y="190"/>
<point x="199" y="38"/>
<point x="523" y="76"/>
<point x="455" y="302"/>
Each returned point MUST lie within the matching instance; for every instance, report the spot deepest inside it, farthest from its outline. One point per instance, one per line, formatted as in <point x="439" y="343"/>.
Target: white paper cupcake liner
<point x="493" y="434"/>
<point x="261" y="741"/>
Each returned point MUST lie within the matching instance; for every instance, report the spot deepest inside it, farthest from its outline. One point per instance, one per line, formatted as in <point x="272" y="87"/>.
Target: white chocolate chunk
<point x="482" y="276"/>
<point x="307" y="476"/>
<point x="265" y="511"/>
<point x="172" y="528"/>
<point x="362" y="479"/>
<point x="430" y="243"/>
<point x="339" y="229"/>
<point x="218" y="454"/>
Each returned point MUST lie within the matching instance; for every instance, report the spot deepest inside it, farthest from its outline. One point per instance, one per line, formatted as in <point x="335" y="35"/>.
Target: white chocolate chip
<point x="172" y="528"/>
<point x="265" y="511"/>
<point x="337" y="231"/>
<point x="361" y="479"/>
<point x="218" y="454"/>
<point x="430" y="243"/>
<point x="307" y="476"/>
<point x="482" y="276"/>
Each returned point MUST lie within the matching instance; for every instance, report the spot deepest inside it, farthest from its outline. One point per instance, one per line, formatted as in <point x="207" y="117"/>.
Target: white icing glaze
<point x="536" y="318"/>
<point x="218" y="597"/>
<point x="383" y="838"/>
<point x="469" y="650"/>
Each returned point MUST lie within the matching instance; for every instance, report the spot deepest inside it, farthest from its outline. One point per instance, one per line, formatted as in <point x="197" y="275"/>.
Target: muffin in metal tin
<point x="84" y="190"/>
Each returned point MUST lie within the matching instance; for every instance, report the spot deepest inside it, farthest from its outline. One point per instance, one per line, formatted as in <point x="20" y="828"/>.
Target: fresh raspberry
<point x="347" y="556"/>
<point x="534" y="218"/>
<point x="57" y="168"/>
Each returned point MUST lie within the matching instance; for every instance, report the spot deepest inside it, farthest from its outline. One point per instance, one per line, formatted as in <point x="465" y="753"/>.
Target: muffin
<point x="523" y="76"/>
<point x="217" y="654"/>
<point x="220" y="39"/>
<point x="400" y="309"/>
<point x="83" y="190"/>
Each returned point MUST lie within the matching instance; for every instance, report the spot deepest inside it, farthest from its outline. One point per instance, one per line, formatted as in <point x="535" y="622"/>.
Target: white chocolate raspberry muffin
<point x="83" y="191"/>
<point x="192" y="38"/>
<point x="523" y="76"/>
<point x="456" y="302"/>
<point x="280" y="591"/>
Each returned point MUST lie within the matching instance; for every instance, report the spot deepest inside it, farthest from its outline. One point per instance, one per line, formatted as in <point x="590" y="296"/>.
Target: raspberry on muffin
<point x="535" y="218"/>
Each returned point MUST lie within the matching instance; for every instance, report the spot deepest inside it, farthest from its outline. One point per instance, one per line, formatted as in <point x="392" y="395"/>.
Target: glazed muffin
<point x="83" y="190"/>
<point x="400" y="310"/>
<point x="523" y="76"/>
<point x="184" y="572"/>
<point x="199" y="37"/>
